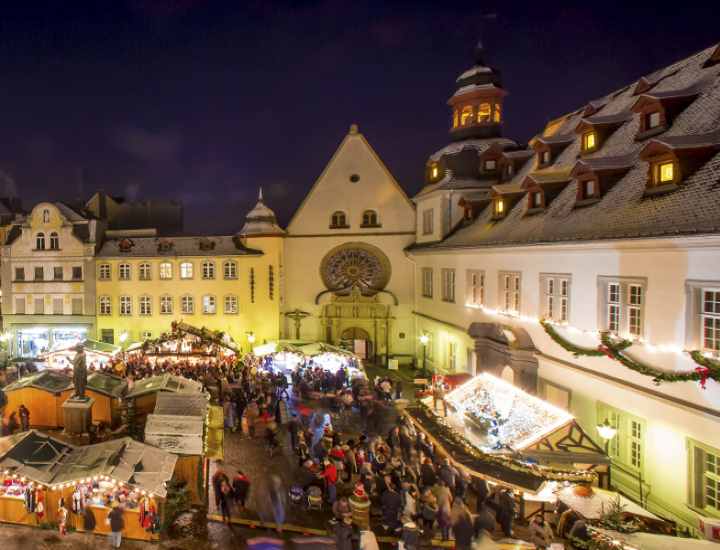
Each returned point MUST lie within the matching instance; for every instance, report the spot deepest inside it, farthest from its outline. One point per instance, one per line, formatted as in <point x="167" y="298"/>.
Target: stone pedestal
<point x="77" y="414"/>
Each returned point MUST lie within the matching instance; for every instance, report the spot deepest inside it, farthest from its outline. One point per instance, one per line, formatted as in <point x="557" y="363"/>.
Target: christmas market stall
<point x="97" y="354"/>
<point x="142" y="397"/>
<point x="289" y="355"/>
<point x="43" y="394"/>
<point x="40" y="473"/>
<point x="107" y="391"/>
<point x="179" y="426"/>
<point x="188" y="344"/>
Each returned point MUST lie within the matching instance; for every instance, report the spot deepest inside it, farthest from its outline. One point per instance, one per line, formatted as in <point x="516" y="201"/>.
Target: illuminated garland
<point x="614" y="349"/>
<point x="545" y="473"/>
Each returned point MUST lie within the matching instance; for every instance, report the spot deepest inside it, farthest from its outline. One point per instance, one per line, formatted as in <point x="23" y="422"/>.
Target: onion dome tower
<point x="261" y="221"/>
<point x="477" y="102"/>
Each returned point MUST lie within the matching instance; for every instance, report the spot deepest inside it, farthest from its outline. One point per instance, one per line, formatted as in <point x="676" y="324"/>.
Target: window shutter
<point x="698" y="469"/>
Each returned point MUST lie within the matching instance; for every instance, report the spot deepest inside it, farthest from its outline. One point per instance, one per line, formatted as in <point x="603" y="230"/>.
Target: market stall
<point x="179" y="426"/>
<point x="39" y="472"/>
<point x="107" y="391"/>
<point x="186" y="343"/>
<point x="289" y="355"/>
<point x="142" y="396"/>
<point x="43" y="393"/>
<point x="97" y="354"/>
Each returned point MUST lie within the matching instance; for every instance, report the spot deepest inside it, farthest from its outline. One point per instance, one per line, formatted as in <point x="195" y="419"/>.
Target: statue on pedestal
<point x="79" y="373"/>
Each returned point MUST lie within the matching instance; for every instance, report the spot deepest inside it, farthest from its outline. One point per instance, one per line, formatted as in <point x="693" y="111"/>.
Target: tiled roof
<point x="624" y="211"/>
<point x="180" y="246"/>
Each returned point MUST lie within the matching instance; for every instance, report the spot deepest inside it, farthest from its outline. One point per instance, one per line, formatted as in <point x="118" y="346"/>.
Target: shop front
<point x="35" y="336"/>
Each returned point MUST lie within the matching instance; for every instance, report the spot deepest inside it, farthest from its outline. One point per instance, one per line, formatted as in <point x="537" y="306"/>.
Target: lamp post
<point x="607" y="431"/>
<point x="250" y="339"/>
<point x="424" y="339"/>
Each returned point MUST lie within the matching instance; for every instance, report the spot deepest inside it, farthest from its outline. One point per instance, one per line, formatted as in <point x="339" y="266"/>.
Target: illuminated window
<point x="589" y="141"/>
<point x="186" y="270"/>
<point x="545" y="157"/>
<point x="434" y="171"/>
<point x="456" y="118"/>
<point x="587" y="189"/>
<point x="144" y="272"/>
<point x="338" y="219"/>
<point x="231" y="304"/>
<point x="490" y="165"/>
<point x="166" y="270"/>
<point x="652" y="120"/>
<point x="706" y="470"/>
<point x="665" y="172"/>
<point x="187" y="305"/>
<point x="537" y="199"/>
<point x="466" y="115"/>
<point x="484" y="112"/>
<point x="40" y="241"/>
<point x="208" y="304"/>
<point x="497" y="113"/>
<point x="145" y="305"/>
<point x="166" y="305"/>
<point x="499" y="207"/>
<point x="230" y="269"/>
<point x="208" y="270"/>
<point x="124" y="272"/>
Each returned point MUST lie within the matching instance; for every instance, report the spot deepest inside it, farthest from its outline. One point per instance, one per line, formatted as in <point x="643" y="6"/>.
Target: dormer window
<point x="509" y="171"/>
<point x="544" y="157"/>
<point x="589" y="141"/>
<point x="338" y="220"/>
<point x="456" y="118"/>
<point x="499" y="208"/>
<point x="664" y="172"/>
<point x="588" y="189"/>
<point x="490" y="165"/>
<point x="434" y="171"/>
<point x="466" y="115"/>
<point x="497" y="113"/>
<point x="652" y="120"/>
<point x="484" y="113"/>
<point x="536" y="199"/>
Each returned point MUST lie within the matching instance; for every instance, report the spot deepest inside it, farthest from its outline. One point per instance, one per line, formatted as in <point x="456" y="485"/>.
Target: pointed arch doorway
<point x="358" y="340"/>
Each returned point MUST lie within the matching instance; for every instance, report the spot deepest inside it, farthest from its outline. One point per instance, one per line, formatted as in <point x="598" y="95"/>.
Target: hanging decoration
<point x="616" y="349"/>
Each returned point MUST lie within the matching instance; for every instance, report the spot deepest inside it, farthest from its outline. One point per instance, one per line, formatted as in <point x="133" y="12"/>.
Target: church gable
<point x="355" y="193"/>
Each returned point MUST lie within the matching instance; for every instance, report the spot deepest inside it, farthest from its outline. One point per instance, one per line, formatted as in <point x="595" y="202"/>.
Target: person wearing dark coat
<point x="480" y="487"/>
<point x="505" y="512"/>
<point x="89" y="522"/>
<point x="293" y="428"/>
<point x="391" y="504"/>
<point x="427" y="474"/>
<point x="240" y="486"/>
<point x="346" y="535"/>
<point x="464" y="531"/>
<point x="448" y="474"/>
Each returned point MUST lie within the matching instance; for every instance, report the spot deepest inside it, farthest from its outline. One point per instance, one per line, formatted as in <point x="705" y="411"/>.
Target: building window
<point x="107" y="335"/>
<point x="434" y="170"/>
<point x="231" y="304"/>
<point x="104" y="272"/>
<point x="39" y="274"/>
<point x="208" y="304"/>
<point x="628" y="445"/>
<point x="57" y="306"/>
<point x="710" y="320"/>
<point x="664" y="172"/>
<point x="105" y="305"/>
<point x="510" y="291"/>
<point x="466" y="115"/>
<point x="166" y="271"/>
<point x="427" y="282"/>
<point x="589" y="141"/>
<point x="77" y="273"/>
<point x="125" y="306"/>
<point x="705" y="478"/>
<point x="427" y="221"/>
<point x="187" y="305"/>
<point x="166" y="305"/>
<point x="19" y="273"/>
<point x="544" y="157"/>
<point x="448" y="285"/>
<point x="20" y="306"/>
<point x="588" y="189"/>
<point x="636" y="444"/>
<point x="499" y="208"/>
<point x="456" y="118"/>
<point x="252" y="285"/>
<point x="536" y="199"/>
<point x="490" y="165"/>
<point x="497" y="112"/>
<point x="230" y="270"/>
<point x="555" y="297"/>
<point x="338" y="220"/>
<point x="623" y="305"/>
<point x="46" y="216"/>
<point x="509" y="171"/>
<point x="452" y="355"/>
<point x="124" y="272"/>
<point x="54" y="241"/>
<point x="57" y="273"/>
<point x="652" y="120"/>
<point x="144" y="272"/>
<point x="40" y="241"/>
<point x="145" y="305"/>
<point x="208" y="270"/>
<point x="186" y="270"/>
<point x="476" y="287"/>
<point x="483" y="113"/>
<point x="39" y="306"/>
<point x="370" y="218"/>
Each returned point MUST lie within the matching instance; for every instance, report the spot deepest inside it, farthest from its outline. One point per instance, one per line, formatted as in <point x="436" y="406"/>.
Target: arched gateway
<point x="499" y="346"/>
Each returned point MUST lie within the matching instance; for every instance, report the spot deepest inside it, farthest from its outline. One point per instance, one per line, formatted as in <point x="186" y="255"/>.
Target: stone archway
<point x="359" y="341"/>
<point x="499" y="346"/>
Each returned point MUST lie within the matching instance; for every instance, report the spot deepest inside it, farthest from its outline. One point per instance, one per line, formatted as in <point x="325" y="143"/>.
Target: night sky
<point x="204" y="101"/>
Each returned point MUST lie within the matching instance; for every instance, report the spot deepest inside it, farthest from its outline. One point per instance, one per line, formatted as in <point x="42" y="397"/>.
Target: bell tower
<point x="477" y="103"/>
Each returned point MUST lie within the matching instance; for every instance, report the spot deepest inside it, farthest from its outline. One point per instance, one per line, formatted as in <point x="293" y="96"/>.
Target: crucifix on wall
<point x="297" y="315"/>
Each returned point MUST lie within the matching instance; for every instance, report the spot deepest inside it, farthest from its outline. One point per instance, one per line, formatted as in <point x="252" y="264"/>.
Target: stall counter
<point x="12" y="510"/>
<point x="132" y="530"/>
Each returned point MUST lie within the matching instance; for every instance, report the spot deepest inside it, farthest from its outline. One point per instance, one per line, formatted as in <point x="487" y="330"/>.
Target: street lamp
<point x="424" y="340"/>
<point x="607" y="431"/>
<point x="250" y="339"/>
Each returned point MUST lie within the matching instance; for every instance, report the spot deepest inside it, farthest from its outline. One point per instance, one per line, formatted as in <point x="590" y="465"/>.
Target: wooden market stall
<point x="39" y="471"/>
<point x="143" y="394"/>
<point x="107" y="390"/>
<point x="179" y="426"/>
<point x="43" y="393"/>
<point x="97" y="354"/>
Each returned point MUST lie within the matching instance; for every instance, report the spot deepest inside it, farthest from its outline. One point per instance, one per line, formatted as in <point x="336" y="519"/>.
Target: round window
<point x="354" y="178"/>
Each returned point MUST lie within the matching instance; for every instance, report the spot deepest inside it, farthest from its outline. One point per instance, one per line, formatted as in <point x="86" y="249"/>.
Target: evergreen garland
<point x="614" y="349"/>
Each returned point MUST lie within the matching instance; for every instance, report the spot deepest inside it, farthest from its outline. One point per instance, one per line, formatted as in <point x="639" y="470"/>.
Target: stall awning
<point x="107" y="384"/>
<point x="166" y="383"/>
<point x="53" y="382"/>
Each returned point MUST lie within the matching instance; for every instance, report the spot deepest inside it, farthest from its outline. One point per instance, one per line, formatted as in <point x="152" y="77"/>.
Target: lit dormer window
<point x="466" y="115"/>
<point x="484" y="112"/>
<point x="456" y="118"/>
<point x="652" y="120"/>
<point x="499" y="208"/>
<point x="497" y="113"/>
<point x="544" y="157"/>
<point x="537" y="199"/>
<point x="490" y="165"/>
<point x="588" y="189"/>
<point x="589" y="141"/>
<point x="664" y="172"/>
<point x="434" y="171"/>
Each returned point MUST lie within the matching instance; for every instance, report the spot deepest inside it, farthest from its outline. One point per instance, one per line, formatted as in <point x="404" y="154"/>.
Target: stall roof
<point x="44" y="459"/>
<point x="175" y="434"/>
<point x="651" y="541"/>
<point x="180" y="329"/>
<point x="182" y="404"/>
<point x="53" y="382"/>
<point x="107" y="384"/>
<point x="165" y="382"/>
<point x="595" y="505"/>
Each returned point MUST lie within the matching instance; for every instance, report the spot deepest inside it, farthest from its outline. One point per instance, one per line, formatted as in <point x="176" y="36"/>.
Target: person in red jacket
<point x="330" y="475"/>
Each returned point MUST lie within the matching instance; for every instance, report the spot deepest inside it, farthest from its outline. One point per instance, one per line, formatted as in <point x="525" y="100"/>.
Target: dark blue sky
<point x="204" y="100"/>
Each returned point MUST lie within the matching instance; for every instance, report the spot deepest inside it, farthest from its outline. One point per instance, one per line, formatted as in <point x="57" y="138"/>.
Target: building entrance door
<point x="358" y="340"/>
